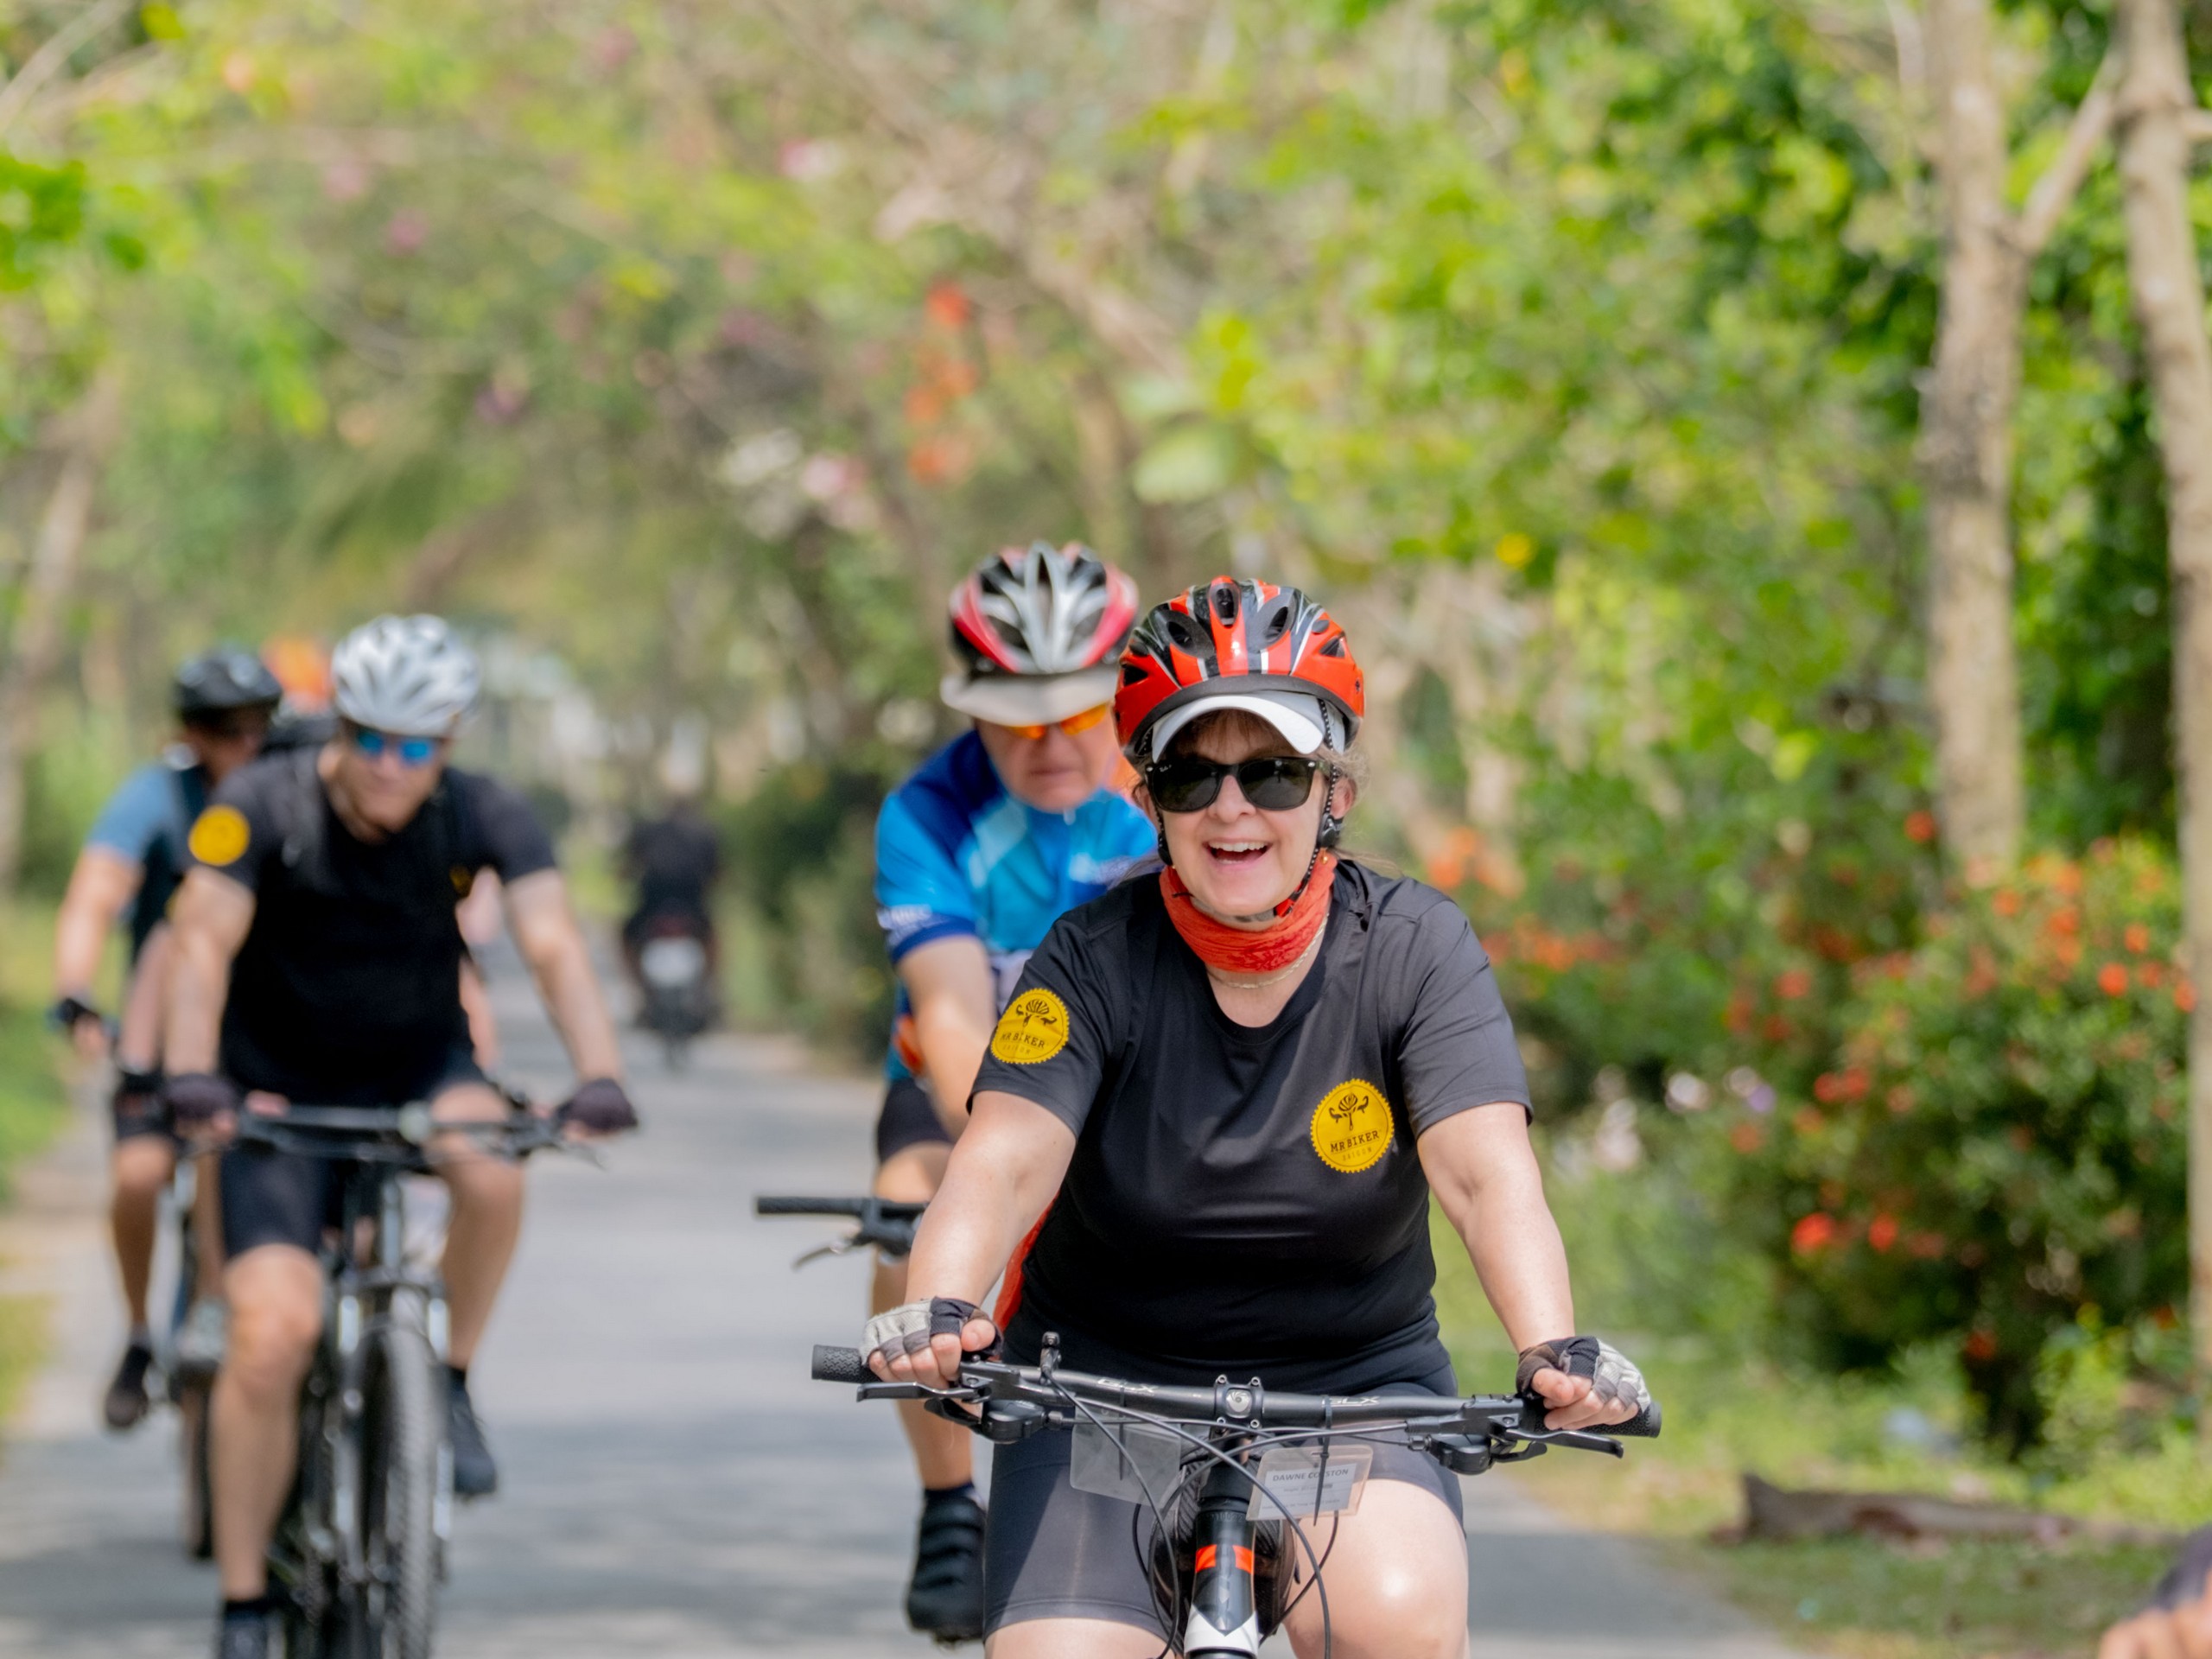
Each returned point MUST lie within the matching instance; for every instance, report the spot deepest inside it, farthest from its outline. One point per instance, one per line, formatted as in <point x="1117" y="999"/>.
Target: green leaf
<point x="1192" y="462"/>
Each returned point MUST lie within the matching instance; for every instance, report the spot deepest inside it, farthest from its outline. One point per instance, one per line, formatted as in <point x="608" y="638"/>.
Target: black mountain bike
<point x="885" y="1223"/>
<point x="359" y="1550"/>
<point x="1234" y="1478"/>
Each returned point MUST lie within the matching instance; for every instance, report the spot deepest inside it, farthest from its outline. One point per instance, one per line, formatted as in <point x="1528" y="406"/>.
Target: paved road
<point x="672" y="1488"/>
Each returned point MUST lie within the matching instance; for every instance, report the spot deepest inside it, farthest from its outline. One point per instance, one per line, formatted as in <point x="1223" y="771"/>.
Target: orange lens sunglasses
<point x="1074" y="725"/>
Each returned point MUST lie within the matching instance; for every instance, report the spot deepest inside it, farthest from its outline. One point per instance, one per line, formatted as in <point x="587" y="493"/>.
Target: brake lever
<point x="1580" y="1439"/>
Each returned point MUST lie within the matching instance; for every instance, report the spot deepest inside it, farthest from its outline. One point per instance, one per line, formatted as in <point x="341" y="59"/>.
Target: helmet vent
<point x="1224" y="601"/>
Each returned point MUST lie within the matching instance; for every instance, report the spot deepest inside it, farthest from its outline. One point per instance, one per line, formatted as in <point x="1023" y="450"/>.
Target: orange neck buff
<point x="1252" y="952"/>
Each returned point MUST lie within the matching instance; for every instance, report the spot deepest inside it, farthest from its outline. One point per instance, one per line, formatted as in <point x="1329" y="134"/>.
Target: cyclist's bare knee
<point x="143" y="1167"/>
<point x="1397" y="1581"/>
<point x="275" y="1296"/>
<point x="1072" y="1638"/>
<point x="912" y="1174"/>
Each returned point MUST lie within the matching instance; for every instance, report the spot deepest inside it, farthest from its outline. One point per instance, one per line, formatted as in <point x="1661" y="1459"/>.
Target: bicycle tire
<point x="403" y="1426"/>
<point x="196" y="1519"/>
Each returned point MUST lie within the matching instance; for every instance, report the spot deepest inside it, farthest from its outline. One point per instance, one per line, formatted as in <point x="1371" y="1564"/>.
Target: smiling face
<point x="1055" y="771"/>
<point x="1238" y="861"/>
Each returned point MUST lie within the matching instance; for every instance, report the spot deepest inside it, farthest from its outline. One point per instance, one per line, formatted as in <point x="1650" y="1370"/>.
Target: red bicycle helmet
<point x="1229" y="636"/>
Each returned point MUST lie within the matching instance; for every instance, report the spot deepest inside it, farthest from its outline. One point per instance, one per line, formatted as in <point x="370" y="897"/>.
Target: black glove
<point x="1613" y="1378"/>
<point x="948" y="1317"/>
<point x="138" y="1096"/>
<point x="599" y="1107"/>
<point x="195" y="1099"/>
<point x="68" y="1012"/>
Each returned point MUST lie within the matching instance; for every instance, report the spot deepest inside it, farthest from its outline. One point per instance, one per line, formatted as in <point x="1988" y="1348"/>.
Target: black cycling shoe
<point x="240" y="1636"/>
<point x="126" y="1401"/>
<point x="474" y="1474"/>
<point x="945" y="1596"/>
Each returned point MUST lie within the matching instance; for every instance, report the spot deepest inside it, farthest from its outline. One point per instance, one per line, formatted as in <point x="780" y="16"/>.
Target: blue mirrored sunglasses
<point x="412" y="751"/>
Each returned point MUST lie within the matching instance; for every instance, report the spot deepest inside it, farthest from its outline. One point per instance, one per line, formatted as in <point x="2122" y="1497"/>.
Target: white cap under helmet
<point x="406" y="675"/>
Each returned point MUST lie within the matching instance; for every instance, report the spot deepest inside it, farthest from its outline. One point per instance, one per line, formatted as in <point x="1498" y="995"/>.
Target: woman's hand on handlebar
<point x="1584" y="1383"/>
<point x="922" y="1342"/>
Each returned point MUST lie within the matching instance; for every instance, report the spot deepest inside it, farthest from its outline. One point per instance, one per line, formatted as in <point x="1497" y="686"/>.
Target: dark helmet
<point x="219" y="681"/>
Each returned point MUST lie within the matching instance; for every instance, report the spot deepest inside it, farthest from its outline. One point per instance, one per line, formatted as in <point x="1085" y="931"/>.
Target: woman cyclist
<point x="1228" y="1091"/>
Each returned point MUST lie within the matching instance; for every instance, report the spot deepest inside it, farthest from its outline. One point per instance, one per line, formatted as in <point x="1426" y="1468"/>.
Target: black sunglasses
<point x="1190" y="782"/>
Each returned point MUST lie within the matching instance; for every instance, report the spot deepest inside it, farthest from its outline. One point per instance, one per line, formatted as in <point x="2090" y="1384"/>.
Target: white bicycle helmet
<point x="406" y="675"/>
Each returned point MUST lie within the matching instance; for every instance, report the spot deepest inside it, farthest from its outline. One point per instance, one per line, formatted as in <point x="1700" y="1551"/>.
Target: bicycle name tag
<point x="1309" y="1481"/>
<point x="1123" y="1460"/>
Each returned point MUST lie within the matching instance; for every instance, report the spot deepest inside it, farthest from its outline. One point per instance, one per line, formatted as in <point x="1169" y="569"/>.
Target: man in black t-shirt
<point x="318" y="961"/>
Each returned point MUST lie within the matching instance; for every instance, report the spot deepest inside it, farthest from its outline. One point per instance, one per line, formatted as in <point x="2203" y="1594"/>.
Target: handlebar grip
<point x="839" y="1365"/>
<point x="793" y="1206"/>
<point x="1644" y="1426"/>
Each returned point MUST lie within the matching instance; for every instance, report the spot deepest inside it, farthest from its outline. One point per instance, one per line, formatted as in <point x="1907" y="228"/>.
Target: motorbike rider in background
<point x="132" y="861"/>
<point x="976" y="855"/>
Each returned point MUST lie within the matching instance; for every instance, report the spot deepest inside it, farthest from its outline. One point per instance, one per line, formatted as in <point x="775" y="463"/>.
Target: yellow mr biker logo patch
<point x="219" y="836"/>
<point x="1033" y="1028"/>
<point x="1352" y="1126"/>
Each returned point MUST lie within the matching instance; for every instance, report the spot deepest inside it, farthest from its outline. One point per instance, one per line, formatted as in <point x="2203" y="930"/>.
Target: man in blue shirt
<point x="132" y="861"/>
<point x="976" y="855"/>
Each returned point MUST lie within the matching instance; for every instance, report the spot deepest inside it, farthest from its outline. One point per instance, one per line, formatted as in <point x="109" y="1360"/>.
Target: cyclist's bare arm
<point x="100" y="886"/>
<point x="1000" y="1177"/>
<point x="949" y="985"/>
<point x="138" y="1027"/>
<point x="476" y="1003"/>
<point x="1484" y="1171"/>
<point x="213" y="915"/>
<point x="544" y="927"/>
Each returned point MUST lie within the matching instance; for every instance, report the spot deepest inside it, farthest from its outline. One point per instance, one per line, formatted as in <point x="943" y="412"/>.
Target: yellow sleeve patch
<point x="1033" y="1028"/>
<point x="220" y="836"/>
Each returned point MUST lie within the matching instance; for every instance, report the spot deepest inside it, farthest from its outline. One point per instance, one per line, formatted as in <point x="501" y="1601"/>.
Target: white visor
<point x="1028" y="699"/>
<point x="1295" y="714"/>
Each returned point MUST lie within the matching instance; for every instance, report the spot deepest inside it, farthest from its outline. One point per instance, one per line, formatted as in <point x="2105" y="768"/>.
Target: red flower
<point x="1813" y="1234"/>
<point x="1793" y="984"/>
<point x="2185" y="996"/>
<point x="946" y="306"/>
<point x="1900" y="1099"/>
<point x="1980" y="1346"/>
<point x="2112" y="979"/>
<point x="1747" y="1137"/>
<point x="1920" y="826"/>
<point x="2007" y="901"/>
<point x="1881" y="1233"/>
<point x="2137" y="938"/>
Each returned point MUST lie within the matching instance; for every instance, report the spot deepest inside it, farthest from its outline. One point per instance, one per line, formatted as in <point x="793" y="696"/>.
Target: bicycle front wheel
<point x="403" y="1426"/>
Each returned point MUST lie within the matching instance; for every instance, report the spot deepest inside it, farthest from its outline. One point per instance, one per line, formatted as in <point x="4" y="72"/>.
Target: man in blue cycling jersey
<point x="131" y="863"/>
<point x="976" y="855"/>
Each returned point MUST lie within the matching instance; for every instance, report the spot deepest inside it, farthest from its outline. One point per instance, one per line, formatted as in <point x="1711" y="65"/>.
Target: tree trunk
<point x="2168" y="295"/>
<point x="1966" y="453"/>
<point x="89" y="432"/>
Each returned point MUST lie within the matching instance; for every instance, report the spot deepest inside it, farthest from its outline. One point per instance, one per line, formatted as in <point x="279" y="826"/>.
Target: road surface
<point x="673" y="1485"/>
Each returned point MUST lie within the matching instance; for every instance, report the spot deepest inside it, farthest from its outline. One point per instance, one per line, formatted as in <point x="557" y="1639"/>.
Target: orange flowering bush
<point x="1998" y="1148"/>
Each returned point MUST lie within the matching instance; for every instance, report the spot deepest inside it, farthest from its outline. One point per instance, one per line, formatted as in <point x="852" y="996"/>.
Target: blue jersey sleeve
<point x="138" y="815"/>
<point x="920" y="893"/>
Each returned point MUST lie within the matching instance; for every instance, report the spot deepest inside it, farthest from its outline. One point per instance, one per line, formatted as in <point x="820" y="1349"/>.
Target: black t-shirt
<point x="1247" y="1201"/>
<point x="347" y="989"/>
<point x="675" y="861"/>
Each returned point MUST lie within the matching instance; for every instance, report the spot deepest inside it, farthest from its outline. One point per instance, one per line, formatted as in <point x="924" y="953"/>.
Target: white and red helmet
<point x="1038" y="630"/>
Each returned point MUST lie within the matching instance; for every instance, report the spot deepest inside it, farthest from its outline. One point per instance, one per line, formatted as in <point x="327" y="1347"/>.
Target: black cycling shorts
<point x="908" y="1119"/>
<point x="1053" y="1552"/>
<point x="278" y="1198"/>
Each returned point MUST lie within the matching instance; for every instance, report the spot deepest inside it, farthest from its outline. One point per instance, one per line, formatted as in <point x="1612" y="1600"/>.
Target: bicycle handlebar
<point x="857" y="1209"/>
<point x="385" y="1134"/>
<point x="1245" y="1403"/>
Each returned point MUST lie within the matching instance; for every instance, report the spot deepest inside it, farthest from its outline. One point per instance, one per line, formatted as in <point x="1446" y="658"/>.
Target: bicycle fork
<point x="1225" y="1622"/>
